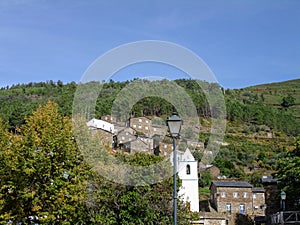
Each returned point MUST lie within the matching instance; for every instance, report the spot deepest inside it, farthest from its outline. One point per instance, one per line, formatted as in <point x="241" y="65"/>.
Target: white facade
<point x="188" y="173"/>
<point x="101" y="124"/>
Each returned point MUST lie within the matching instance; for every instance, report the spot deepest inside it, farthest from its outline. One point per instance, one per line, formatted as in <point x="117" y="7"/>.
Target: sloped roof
<point x="268" y="179"/>
<point x="101" y="124"/>
<point x="242" y="184"/>
<point x="187" y="156"/>
<point x="258" y="190"/>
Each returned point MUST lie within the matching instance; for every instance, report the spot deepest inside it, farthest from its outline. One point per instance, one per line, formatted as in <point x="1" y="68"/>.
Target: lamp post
<point x="282" y="197"/>
<point x="174" y="123"/>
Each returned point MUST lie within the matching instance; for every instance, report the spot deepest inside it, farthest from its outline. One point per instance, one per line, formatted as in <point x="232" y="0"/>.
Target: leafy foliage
<point x="45" y="179"/>
<point x="42" y="171"/>
<point x="289" y="175"/>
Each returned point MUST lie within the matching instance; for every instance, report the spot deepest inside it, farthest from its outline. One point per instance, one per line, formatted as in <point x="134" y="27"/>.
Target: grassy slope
<point x="274" y="92"/>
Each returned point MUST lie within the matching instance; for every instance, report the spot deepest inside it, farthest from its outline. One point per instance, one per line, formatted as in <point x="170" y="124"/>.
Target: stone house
<point x="126" y="135"/>
<point x="193" y="144"/>
<point x="238" y="197"/>
<point x="105" y="129"/>
<point x="108" y="118"/>
<point x="271" y="194"/>
<point x="159" y="130"/>
<point x="138" y="145"/>
<point x="209" y="218"/>
<point x="165" y="148"/>
<point x="258" y="201"/>
<point x="141" y="125"/>
<point x="213" y="170"/>
<point x="231" y="196"/>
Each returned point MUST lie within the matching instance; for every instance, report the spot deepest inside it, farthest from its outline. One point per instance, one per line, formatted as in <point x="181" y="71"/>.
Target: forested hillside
<point x="275" y="106"/>
<point x="261" y="120"/>
<point x="262" y="129"/>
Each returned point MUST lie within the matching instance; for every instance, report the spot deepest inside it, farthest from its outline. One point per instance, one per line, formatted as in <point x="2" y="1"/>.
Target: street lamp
<point x="283" y="197"/>
<point x="174" y="123"/>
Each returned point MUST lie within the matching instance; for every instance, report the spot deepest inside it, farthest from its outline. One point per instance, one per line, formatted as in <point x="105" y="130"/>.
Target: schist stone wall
<point x="233" y="199"/>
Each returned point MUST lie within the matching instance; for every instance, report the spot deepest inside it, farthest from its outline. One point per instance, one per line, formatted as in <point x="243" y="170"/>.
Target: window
<point x="123" y="138"/>
<point x="235" y="194"/>
<point x="140" y="126"/>
<point x="154" y="129"/>
<point x="147" y="121"/>
<point x="146" y="128"/>
<point x="188" y="169"/>
<point x="245" y="194"/>
<point x="134" y="126"/>
<point x="254" y="195"/>
<point x="165" y="146"/>
<point x="223" y="194"/>
<point x="242" y="208"/>
<point x="228" y="207"/>
<point x="140" y="120"/>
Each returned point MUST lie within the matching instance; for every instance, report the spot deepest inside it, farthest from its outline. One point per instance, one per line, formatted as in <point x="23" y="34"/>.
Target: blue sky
<point x="243" y="42"/>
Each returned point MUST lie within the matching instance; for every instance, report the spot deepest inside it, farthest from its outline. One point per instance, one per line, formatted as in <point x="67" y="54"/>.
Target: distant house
<point x="138" y="145"/>
<point x="108" y="118"/>
<point x="193" y="144"/>
<point x="141" y="125"/>
<point x="126" y="135"/>
<point x="101" y="124"/>
<point x="165" y="149"/>
<point x="231" y="196"/>
<point x="106" y="129"/>
<point x="159" y="130"/>
<point x="213" y="170"/>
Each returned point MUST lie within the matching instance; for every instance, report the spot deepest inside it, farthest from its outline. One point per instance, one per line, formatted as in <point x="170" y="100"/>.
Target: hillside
<point x="259" y="127"/>
<point x="273" y="94"/>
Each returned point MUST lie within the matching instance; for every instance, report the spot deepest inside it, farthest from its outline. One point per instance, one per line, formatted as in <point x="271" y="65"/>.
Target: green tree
<point x="289" y="175"/>
<point x="42" y="171"/>
<point x="113" y="203"/>
<point x="288" y="101"/>
<point x="205" y="179"/>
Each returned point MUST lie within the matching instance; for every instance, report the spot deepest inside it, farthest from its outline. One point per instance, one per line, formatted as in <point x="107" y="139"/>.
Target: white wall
<point x="101" y="124"/>
<point x="189" y="191"/>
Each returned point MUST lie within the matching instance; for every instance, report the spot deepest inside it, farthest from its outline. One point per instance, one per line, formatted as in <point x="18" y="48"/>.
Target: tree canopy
<point x="45" y="179"/>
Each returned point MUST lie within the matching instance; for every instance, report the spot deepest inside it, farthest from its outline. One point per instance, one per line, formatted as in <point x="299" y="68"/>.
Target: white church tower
<point x="188" y="173"/>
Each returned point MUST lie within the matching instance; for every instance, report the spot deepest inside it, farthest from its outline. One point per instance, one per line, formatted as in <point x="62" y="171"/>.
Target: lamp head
<point x="283" y="195"/>
<point x="174" y="123"/>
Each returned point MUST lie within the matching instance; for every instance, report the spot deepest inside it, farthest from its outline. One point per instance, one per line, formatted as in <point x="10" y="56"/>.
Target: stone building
<point x="271" y="194"/>
<point x="195" y="145"/>
<point x="213" y="170"/>
<point x="209" y="218"/>
<point x="139" y="145"/>
<point x="231" y="196"/>
<point x="108" y="118"/>
<point x="142" y="125"/>
<point x="258" y="201"/>
<point x="165" y="148"/>
<point x="238" y="197"/>
<point x="126" y="135"/>
<point x="159" y="130"/>
<point x="104" y="128"/>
